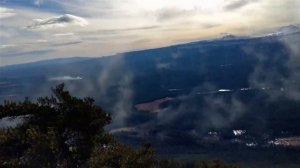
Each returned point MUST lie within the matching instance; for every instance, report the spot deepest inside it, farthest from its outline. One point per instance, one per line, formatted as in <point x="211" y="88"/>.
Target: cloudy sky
<point x="32" y="30"/>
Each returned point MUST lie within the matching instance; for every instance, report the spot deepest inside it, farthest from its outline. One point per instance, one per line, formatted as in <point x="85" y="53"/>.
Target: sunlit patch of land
<point x="153" y="106"/>
<point x="287" y="141"/>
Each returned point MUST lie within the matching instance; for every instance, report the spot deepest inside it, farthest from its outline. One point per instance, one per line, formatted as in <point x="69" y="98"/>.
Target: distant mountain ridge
<point x="233" y="37"/>
<point x="285" y="30"/>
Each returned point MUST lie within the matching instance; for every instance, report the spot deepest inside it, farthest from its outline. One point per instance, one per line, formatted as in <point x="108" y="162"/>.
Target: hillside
<point x="214" y="87"/>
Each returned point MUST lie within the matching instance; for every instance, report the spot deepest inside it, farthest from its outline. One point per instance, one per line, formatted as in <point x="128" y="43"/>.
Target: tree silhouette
<point x="57" y="130"/>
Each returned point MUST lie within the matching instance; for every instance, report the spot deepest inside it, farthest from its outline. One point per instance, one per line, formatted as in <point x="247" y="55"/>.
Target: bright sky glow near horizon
<point x="32" y="30"/>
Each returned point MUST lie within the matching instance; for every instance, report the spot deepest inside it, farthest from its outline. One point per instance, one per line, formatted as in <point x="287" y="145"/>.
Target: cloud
<point x="221" y="112"/>
<point x="201" y="113"/>
<point x="38" y="2"/>
<point x="277" y="74"/>
<point x="65" y="78"/>
<point x="118" y="31"/>
<point x="66" y="43"/>
<point x="116" y="76"/>
<point x="64" y="34"/>
<point x="26" y="53"/>
<point x="237" y="4"/>
<point x="2" y="46"/>
<point x="59" y="21"/>
<point x="167" y="14"/>
<point x="6" y="12"/>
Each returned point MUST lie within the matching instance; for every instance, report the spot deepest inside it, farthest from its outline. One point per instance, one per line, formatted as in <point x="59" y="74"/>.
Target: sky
<point x="33" y="30"/>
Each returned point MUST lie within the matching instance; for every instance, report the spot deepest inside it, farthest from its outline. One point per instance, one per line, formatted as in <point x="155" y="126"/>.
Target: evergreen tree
<point x="58" y="131"/>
